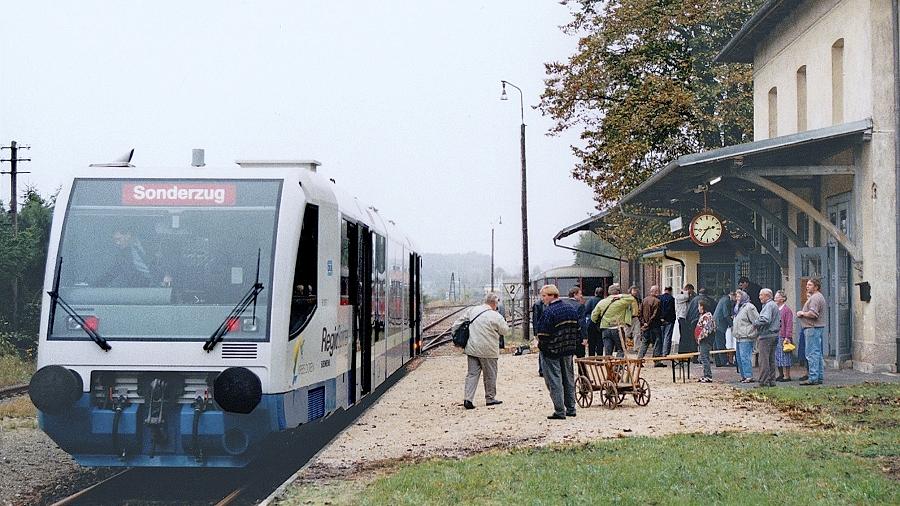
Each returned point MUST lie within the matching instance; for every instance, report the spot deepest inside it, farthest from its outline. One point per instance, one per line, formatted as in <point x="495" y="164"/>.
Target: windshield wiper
<point x="56" y="300"/>
<point x="237" y="310"/>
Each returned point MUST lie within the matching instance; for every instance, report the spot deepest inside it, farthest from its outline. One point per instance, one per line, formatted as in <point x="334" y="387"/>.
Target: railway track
<point x="435" y="339"/>
<point x="13" y="391"/>
<point x="176" y="486"/>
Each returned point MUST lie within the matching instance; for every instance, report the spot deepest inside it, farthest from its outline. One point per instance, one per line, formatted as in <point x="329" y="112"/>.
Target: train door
<point x="366" y="314"/>
<point x="413" y="304"/>
<point x="353" y="285"/>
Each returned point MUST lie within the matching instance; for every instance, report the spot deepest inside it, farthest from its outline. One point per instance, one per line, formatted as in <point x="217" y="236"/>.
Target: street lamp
<point x="500" y="222"/>
<point x="526" y="300"/>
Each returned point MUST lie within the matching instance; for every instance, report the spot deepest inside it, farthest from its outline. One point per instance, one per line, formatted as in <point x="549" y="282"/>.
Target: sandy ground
<point x="422" y="416"/>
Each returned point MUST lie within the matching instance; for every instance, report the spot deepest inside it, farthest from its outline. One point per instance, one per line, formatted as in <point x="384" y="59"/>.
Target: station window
<point x="672" y="276"/>
<point x="803" y="226"/>
<point x="305" y="285"/>
<point x="801" y="99"/>
<point x="773" y="112"/>
<point x="837" y="82"/>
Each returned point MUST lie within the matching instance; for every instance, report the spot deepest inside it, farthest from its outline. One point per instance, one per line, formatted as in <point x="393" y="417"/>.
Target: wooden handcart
<point x="613" y="378"/>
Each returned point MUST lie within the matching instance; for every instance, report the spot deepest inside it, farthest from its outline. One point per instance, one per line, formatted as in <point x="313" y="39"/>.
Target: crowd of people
<point x="749" y="321"/>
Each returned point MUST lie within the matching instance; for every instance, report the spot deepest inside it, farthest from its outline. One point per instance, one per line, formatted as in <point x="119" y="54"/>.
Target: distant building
<point x="588" y="278"/>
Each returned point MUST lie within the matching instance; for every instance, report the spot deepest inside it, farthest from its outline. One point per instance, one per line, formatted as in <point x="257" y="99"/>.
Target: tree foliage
<point x="644" y="88"/>
<point x="591" y="242"/>
<point x="22" y="259"/>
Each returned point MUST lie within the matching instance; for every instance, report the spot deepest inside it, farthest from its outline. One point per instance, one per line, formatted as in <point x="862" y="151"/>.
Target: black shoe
<point x="570" y="414"/>
<point x="554" y="416"/>
<point x="468" y="405"/>
<point x="807" y="383"/>
<point x="803" y="378"/>
<point x="493" y="402"/>
<point x="782" y="379"/>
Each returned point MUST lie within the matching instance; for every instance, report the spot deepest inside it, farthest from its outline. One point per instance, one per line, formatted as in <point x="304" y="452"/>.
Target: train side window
<point x="378" y="287"/>
<point x="345" y="263"/>
<point x="305" y="286"/>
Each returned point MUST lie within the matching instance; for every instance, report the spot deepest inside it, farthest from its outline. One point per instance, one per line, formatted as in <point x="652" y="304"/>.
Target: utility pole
<point x="452" y="294"/>
<point x="14" y="212"/>
<point x="13" y="171"/>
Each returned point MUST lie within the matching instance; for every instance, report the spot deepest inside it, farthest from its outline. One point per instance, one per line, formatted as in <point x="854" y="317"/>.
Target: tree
<point x="591" y="242"/>
<point x="644" y="89"/>
<point x="22" y="259"/>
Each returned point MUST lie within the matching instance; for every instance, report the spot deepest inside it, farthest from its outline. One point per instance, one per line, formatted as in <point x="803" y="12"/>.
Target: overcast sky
<point x="398" y="100"/>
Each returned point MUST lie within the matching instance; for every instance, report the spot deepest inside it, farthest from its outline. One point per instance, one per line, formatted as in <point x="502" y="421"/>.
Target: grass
<point x="17" y="412"/>
<point x="14" y="371"/>
<point x="851" y="457"/>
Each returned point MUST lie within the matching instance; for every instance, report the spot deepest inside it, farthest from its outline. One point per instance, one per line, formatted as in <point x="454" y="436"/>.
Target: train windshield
<point x="166" y="259"/>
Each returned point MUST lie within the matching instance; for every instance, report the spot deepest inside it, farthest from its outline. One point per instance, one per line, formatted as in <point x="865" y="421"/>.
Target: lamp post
<point x="500" y="222"/>
<point x="526" y="300"/>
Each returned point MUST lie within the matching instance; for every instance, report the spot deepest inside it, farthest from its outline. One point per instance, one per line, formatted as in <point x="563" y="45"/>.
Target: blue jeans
<point x="667" y="339"/>
<point x="814" y="357"/>
<point x="745" y="358"/>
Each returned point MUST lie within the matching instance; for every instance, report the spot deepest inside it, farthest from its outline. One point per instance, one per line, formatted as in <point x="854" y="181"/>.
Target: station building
<point x="815" y="193"/>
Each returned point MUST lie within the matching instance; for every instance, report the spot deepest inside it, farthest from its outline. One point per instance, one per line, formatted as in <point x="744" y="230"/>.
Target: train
<point x="194" y="314"/>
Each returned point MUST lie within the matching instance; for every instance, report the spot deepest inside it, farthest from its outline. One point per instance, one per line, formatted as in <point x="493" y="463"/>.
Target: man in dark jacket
<point x="667" y="311"/>
<point x="558" y="336"/>
<point x="723" y="317"/>
<point x="752" y="290"/>
<point x="577" y="300"/>
<point x="594" y="337"/>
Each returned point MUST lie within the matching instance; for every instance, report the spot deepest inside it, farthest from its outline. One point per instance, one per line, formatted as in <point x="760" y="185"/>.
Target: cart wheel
<point x="621" y="395"/>
<point x="609" y="394"/>
<point x="584" y="394"/>
<point x="642" y="393"/>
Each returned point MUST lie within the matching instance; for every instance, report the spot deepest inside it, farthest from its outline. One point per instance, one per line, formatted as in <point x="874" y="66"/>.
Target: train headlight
<point x="237" y="390"/>
<point x="91" y="322"/>
<point x="54" y="389"/>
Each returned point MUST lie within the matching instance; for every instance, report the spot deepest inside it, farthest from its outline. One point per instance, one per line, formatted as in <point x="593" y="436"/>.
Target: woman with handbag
<point x="745" y="334"/>
<point x="784" y="357"/>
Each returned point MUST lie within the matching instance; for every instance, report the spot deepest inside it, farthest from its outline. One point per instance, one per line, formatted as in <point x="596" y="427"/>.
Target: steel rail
<point x="13" y="391"/>
<point x="72" y="499"/>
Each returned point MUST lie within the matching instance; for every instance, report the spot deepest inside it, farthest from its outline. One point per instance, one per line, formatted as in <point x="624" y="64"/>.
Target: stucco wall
<point x="806" y="38"/>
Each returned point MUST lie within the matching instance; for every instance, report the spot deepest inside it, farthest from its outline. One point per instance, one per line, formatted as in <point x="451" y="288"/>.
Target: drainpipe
<point x="895" y="22"/>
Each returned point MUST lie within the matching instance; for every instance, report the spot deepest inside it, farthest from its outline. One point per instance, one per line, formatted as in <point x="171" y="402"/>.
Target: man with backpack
<point x="485" y="325"/>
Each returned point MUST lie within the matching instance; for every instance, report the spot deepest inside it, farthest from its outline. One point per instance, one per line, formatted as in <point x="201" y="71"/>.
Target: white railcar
<point x="193" y="313"/>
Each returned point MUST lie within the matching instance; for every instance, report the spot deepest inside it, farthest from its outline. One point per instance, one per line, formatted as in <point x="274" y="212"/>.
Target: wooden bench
<point x="683" y="360"/>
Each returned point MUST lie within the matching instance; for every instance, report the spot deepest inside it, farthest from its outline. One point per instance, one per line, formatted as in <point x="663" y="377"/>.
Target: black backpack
<point x="461" y="336"/>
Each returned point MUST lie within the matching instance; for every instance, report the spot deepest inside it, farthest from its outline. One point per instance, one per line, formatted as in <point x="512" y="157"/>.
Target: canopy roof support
<point x="765" y="213"/>
<point x="807" y="208"/>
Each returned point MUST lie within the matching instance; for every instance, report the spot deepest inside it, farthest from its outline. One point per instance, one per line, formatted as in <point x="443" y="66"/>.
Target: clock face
<point x="706" y="229"/>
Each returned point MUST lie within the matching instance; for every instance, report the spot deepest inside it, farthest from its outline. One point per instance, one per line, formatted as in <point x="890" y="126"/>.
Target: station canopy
<point x="735" y="180"/>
